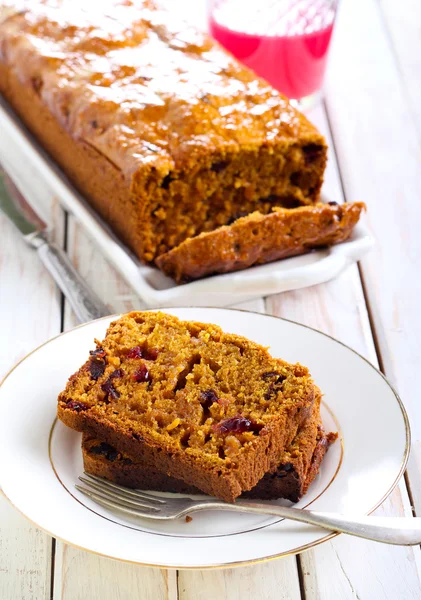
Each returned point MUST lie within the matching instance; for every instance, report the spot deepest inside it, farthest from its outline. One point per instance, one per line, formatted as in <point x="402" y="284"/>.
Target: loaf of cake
<point x="163" y="132"/>
<point x="258" y="238"/>
<point x="210" y="408"/>
<point x="298" y="465"/>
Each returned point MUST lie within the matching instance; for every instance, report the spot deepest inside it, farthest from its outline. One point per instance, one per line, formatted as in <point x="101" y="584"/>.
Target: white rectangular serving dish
<point x="38" y="178"/>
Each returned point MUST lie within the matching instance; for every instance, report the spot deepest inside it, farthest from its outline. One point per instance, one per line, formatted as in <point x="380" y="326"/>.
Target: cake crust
<point x="213" y="409"/>
<point x="256" y="239"/>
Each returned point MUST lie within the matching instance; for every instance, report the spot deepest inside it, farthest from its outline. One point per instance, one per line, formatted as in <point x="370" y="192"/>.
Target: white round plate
<point x="44" y="457"/>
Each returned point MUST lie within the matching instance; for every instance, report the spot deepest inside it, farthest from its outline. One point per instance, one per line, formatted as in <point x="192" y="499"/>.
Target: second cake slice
<point x="210" y="408"/>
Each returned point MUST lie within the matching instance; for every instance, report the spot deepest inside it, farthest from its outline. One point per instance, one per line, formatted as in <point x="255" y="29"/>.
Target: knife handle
<point x="84" y="302"/>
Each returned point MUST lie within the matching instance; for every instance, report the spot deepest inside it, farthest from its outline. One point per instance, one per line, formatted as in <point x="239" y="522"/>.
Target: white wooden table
<point x="372" y="118"/>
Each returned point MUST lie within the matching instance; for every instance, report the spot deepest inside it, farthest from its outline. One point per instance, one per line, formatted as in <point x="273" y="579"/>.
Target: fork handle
<point x="402" y="531"/>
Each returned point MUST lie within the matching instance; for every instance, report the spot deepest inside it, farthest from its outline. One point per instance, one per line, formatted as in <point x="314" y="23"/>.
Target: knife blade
<point x="85" y="303"/>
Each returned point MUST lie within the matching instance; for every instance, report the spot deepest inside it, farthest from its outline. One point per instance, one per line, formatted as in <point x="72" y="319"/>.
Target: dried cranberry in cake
<point x="105" y="450"/>
<point x="269" y="374"/>
<point x="76" y="405"/>
<point x="275" y="386"/>
<point x="219" y="166"/>
<point x="142" y="374"/>
<point x="150" y="354"/>
<point x="271" y="392"/>
<point x="237" y="424"/>
<point x="135" y="352"/>
<point x="338" y="216"/>
<point x="207" y="398"/>
<point x="97" y="363"/>
<point x="272" y="374"/>
<point x="312" y="152"/>
<point x="108" y="386"/>
<point x="110" y="390"/>
<point x="146" y="353"/>
<point x="97" y="369"/>
<point x="97" y="353"/>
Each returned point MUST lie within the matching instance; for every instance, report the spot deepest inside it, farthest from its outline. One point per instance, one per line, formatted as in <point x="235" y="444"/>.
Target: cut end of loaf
<point x="224" y="187"/>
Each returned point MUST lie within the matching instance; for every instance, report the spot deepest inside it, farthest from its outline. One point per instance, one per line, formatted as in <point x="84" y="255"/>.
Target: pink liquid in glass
<point x="284" y="41"/>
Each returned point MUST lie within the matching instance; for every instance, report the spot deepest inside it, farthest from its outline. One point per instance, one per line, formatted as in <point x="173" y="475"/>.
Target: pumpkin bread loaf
<point x="298" y="466"/>
<point x="258" y="238"/>
<point x="210" y="408"/>
<point x="163" y="132"/>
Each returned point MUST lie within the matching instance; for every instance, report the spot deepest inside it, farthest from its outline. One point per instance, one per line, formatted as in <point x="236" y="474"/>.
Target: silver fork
<point x="405" y="531"/>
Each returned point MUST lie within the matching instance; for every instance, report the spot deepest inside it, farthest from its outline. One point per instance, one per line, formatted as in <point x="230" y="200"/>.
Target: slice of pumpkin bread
<point x="259" y="238"/>
<point x="213" y="409"/>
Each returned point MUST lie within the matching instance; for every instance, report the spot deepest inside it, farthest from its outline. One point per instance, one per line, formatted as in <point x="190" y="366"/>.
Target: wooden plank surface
<point x="80" y="575"/>
<point x="30" y="314"/>
<point x="402" y="23"/>
<point x="266" y="581"/>
<point x="403" y="26"/>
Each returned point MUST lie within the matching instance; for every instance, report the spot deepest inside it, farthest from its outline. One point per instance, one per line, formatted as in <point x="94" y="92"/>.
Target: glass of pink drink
<point x="284" y="41"/>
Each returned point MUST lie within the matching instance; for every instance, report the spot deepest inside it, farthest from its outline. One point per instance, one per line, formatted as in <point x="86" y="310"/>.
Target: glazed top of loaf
<point x="139" y="84"/>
